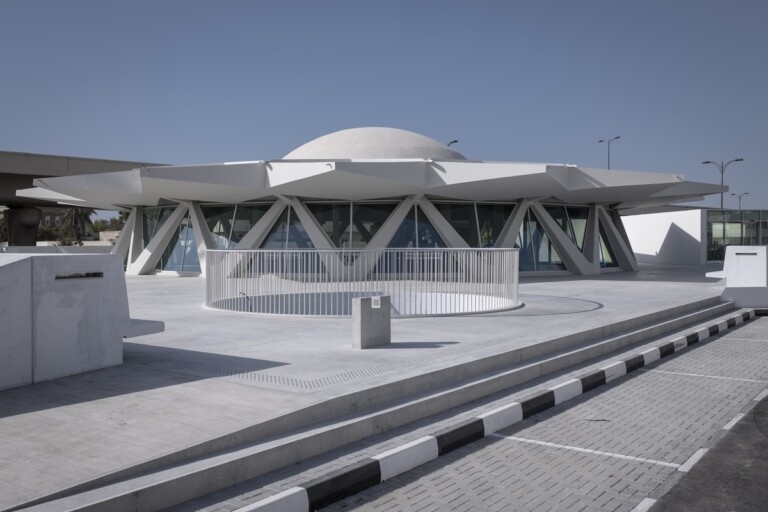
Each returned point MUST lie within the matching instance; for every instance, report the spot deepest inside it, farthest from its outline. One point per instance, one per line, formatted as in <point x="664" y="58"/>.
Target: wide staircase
<point x="260" y="448"/>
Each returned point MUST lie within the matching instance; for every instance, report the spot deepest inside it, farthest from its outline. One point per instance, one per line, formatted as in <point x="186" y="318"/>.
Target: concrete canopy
<point x="372" y="163"/>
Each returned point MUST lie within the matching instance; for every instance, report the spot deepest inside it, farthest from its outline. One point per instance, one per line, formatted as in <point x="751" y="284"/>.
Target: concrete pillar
<point x="371" y="322"/>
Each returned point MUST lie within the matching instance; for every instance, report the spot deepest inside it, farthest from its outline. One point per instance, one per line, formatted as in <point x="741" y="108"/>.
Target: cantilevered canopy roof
<point x="345" y="166"/>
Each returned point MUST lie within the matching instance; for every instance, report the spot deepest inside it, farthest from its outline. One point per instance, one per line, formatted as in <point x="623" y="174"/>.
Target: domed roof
<point x="373" y="143"/>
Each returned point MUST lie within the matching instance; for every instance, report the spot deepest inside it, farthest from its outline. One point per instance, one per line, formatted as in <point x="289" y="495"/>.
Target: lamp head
<point x="707" y="162"/>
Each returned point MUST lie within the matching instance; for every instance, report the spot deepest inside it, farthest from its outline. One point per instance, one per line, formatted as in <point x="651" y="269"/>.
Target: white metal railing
<point x="419" y="282"/>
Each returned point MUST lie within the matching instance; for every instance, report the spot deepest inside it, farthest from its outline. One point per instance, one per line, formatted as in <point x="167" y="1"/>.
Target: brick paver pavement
<point x="605" y="450"/>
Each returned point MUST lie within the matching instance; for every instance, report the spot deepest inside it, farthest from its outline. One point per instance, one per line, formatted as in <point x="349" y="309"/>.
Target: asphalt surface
<point x="732" y="476"/>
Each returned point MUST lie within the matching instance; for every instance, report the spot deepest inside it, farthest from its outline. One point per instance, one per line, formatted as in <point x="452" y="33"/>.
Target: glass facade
<point x="734" y="227"/>
<point x="352" y="225"/>
<point x="230" y="222"/>
<point x="416" y="231"/>
<point x="536" y="250"/>
<point x="479" y="224"/>
<point x="287" y="233"/>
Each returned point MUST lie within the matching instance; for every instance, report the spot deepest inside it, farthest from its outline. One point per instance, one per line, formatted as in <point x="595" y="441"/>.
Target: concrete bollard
<point x="371" y="322"/>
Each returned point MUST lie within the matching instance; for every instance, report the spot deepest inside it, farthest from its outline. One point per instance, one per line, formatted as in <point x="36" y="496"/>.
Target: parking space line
<point x="645" y="505"/>
<point x="735" y="420"/>
<point x="747" y="339"/>
<point x="696" y="457"/>
<point x="705" y="376"/>
<point x="587" y="450"/>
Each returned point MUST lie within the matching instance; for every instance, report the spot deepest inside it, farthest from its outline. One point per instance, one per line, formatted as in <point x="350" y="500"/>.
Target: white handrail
<point x="420" y="282"/>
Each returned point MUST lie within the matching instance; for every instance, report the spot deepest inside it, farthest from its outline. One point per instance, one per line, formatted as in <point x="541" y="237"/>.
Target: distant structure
<point x="22" y="215"/>
<point x="693" y="236"/>
<point x="373" y="188"/>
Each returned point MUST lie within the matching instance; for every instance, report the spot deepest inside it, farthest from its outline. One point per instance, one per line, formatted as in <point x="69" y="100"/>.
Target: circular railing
<point x="419" y="282"/>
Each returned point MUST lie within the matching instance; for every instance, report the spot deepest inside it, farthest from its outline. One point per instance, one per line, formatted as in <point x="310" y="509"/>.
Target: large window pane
<point x="334" y="219"/>
<point x="715" y="235"/>
<point x="750" y="233"/>
<point x="607" y="256"/>
<point x="536" y="250"/>
<point x="491" y="218"/>
<point x="463" y="219"/>
<point x="154" y="218"/>
<point x="219" y="219"/>
<point x="367" y="219"/>
<point x="246" y="216"/>
<point x="181" y="253"/>
<point x="416" y="231"/>
<point x="578" y="217"/>
<point x="287" y="233"/>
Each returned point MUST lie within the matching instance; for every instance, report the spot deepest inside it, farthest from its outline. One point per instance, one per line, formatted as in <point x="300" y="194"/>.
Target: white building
<point x="693" y="236"/>
<point x="374" y="188"/>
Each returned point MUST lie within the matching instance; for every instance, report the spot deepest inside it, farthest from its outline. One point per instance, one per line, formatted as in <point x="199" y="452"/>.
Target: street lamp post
<point x="609" y="147"/>
<point x="454" y="141"/>
<point x="722" y="166"/>
<point x="740" y="195"/>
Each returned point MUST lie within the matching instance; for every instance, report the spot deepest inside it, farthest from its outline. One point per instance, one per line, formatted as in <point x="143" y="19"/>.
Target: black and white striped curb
<point x="366" y="473"/>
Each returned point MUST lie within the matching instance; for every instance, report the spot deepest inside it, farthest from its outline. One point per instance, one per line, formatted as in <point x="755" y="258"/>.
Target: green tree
<point x="74" y="225"/>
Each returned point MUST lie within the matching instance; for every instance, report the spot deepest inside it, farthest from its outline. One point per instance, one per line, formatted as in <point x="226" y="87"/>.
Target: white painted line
<point x="567" y="390"/>
<point x="746" y="339"/>
<point x="703" y="333"/>
<point x="406" y="457"/>
<point x="295" y="498"/>
<point x="705" y="376"/>
<point x="739" y="319"/>
<point x="761" y="395"/>
<point x="723" y="326"/>
<point x="751" y="313"/>
<point x="696" y="457"/>
<point x="645" y="505"/>
<point x="614" y="371"/>
<point x="502" y="417"/>
<point x="587" y="450"/>
<point x="650" y="355"/>
<point x="735" y="420"/>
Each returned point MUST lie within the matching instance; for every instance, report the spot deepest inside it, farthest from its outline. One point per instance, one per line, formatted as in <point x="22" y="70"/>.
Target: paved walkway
<point x="212" y="373"/>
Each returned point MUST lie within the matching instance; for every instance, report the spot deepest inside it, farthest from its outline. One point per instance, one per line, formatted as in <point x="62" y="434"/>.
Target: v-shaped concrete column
<point x="146" y="261"/>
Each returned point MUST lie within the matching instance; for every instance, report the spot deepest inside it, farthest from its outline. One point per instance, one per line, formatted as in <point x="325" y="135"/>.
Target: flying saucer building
<point x="374" y="188"/>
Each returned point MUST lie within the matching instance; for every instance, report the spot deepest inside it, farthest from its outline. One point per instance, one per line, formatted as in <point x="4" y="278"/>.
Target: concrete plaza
<point x="213" y="373"/>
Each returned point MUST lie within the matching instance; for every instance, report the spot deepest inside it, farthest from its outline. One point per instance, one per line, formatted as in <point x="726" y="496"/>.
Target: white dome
<point x="373" y="143"/>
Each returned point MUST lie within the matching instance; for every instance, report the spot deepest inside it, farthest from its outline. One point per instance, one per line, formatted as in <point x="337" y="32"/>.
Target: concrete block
<point x="680" y="344"/>
<point x="80" y="313"/>
<point x="567" y="390"/>
<point x="406" y="457"/>
<point x="371" y="322"/>
<point x="614" y="371"/>
<point x="650" y="355"/>
<point x="503" y="417"/>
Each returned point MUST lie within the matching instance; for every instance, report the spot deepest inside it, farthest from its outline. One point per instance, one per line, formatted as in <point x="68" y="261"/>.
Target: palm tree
<point x="74" y="222"/>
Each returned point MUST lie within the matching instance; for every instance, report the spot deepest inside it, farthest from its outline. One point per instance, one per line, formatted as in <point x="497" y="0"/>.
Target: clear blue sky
<point x="211" y="81"/>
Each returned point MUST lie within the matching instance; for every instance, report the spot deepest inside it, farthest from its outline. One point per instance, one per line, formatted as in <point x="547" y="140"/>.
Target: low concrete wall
<point x="746" y="275"/>
<point x="60" y="315"/>
<point x="57" y="249"/>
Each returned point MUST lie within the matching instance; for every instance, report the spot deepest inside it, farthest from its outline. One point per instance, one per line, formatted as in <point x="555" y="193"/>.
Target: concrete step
<point x="262" y="448"/>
